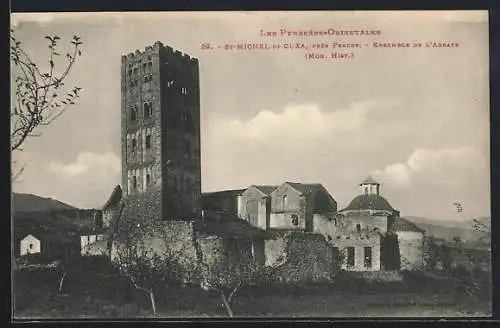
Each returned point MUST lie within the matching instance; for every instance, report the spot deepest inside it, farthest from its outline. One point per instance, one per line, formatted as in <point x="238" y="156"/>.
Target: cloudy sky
<point x="417" y="119"/>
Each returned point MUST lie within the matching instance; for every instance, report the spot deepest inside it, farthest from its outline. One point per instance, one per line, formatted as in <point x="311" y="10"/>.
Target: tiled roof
<point x="114" y="198"/>
<point x="266" y="189"/>
<point x="223" y="193"/>
<point x="369" y="202"/>
<point x="305" y="188"/>
<point x="57" y="238"/>
<point x="401" y="224"/>
<point x="234" y="228"/>
<point x="369" y="180"/>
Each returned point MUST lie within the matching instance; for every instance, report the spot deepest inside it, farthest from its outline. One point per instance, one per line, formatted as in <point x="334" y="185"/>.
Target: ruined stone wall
<point x="324" y="224"/>
<point x="343" y="233"/>
<point x="299" y="257"/>
<point x="411" y="249"/>
<point x="365" y="222"/>
<point x="275" y="251"/>
<point x="180" y="241"/>
<point x="358" y="242"/>
<point x="172" y="239"/>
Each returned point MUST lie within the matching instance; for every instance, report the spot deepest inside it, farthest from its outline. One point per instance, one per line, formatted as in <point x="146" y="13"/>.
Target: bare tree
<point x="226" y="273"/>
<point x="476" y="283"/>
<point x="73" y="265"/>
<point x="40" y="96"/>
<point x="147" y="269"/>
<point x="478" y="225"/>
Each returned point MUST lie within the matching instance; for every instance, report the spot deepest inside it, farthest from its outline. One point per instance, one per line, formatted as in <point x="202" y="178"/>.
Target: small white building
<point x="55" y="246"/>
<point x="30" y="245"/>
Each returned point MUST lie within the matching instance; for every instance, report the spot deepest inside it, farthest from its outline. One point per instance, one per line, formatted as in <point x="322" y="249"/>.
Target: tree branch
<point x="35" y="92"/>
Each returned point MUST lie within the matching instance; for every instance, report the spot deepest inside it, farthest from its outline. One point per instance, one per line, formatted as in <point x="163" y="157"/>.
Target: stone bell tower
<point x="160" y="131"/>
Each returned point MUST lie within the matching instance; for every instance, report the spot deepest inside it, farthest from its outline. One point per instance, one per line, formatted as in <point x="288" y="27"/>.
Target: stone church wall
<point x="298" y="257"/>
<point x="411" y="248"/>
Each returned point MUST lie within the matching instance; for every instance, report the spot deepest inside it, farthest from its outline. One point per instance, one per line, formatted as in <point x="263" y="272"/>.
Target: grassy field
<point x="102" y="295"/>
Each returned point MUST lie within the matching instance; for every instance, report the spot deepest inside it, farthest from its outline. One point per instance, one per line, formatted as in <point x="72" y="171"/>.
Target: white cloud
<point x="86" y="163"/>
<point x="302" y="142"/>
<point x="300" y="120"/>
<point x="85" y="182"/>
<point x="441" y="164"/>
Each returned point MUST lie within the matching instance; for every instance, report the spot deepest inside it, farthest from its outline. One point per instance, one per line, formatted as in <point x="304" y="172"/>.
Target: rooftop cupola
<point x="369" y="186"/>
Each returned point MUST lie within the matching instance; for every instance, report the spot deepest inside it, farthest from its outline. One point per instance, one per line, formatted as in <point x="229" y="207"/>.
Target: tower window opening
<point x="134" y="145"/>
<point x="148" y="179"/>
<point x="148" y="142"/>
<point x="133" y="114"/>
<point x="134" y="182"/>
<point x="358" y="227"/>
<point x="184" y="115"/>
<point x="147" y="109"/>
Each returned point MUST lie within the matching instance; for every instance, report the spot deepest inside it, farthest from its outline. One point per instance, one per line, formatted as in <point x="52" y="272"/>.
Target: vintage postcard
<point x="324" y="164"/>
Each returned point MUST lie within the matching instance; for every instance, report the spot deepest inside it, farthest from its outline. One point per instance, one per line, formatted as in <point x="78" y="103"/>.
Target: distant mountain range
<point x="441" y="229"/>
<point x="33" y="214"/>
<point x="34" y="203"/>
<point x="449" y="229"/>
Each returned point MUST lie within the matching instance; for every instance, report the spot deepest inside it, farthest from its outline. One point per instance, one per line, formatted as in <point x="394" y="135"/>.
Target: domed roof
<point x="405" y="225"/>
<point x="369" y="202"/>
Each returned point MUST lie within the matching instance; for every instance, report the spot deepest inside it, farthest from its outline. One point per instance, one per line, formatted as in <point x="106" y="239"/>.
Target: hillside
<point x="33" y="214"/>
<point x="29" y="203"/>
<point x="449" y="229"/>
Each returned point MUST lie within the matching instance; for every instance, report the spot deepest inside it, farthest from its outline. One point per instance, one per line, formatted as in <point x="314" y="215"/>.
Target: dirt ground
<point x="47" y="306"/>
<point x="105" y="296"/>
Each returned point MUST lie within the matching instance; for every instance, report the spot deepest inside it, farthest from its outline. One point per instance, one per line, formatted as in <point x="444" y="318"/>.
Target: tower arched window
<point x="358" y="227"/>
<point x="134" y="182"/>
<point x="133" y="113"/>
<point x="134" y="145"/>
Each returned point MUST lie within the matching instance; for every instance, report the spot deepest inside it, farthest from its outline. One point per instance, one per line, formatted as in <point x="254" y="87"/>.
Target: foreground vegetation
<point x="100" y="293"/>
